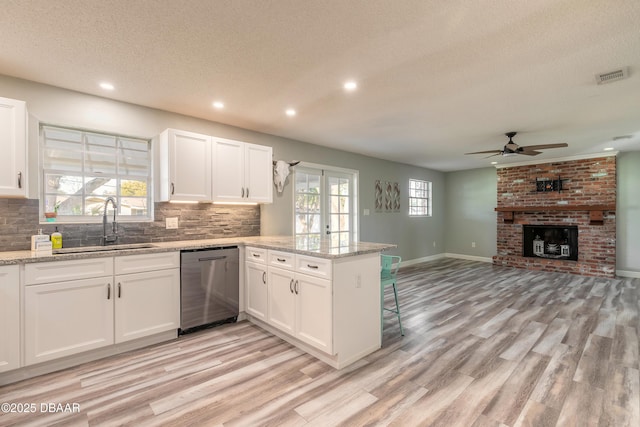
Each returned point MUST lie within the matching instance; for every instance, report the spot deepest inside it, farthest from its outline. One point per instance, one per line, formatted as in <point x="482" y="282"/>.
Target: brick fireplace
<point x="560" y="195"/>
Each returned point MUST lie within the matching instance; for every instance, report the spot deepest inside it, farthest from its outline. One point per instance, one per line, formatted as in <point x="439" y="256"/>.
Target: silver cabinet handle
<point x="242" y="196"/>
<point x="108" y="290"/>
<point x="264" y="277"/>
<point x="173" y="188"/>
<point x="119" y="290"/>
<point x="291" y="286"/>
<point x="296" y="287"/>
<point x="19" y="179"/>
<point x="247" y="192"/>
<point x="312" y="266"/>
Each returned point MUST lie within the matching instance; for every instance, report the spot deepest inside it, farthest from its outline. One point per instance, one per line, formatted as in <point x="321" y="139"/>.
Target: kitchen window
<point x="419" y="198"/>
<point x="80" y="169"/>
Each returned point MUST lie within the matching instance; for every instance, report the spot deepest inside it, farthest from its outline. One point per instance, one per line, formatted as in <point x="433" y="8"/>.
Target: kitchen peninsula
<point x="322" y="299"/>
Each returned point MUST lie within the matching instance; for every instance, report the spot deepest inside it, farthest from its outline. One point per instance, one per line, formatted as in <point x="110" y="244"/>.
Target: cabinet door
<point x="228" y="171"/>
<point x="9" y="318"/>
<point x="146" y="303"/>
<point x="282" y="299"/>
<point x="314" y="324"/>
<point x="257" y="291"/>
<point x="66" y="318"/>
<point x="13" y="145"/>
<point x="258" y="173"/>
<point x="190" y="166"/>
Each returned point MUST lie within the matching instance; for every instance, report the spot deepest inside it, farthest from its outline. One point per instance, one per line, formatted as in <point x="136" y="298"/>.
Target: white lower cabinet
<point x="282" y="299"/>
<point x="9" y="318"/>
<point x="301" y="306"/>
<point x="145" y="303"/>
<point x="314" y="317"/>
<point x="256" y="280"/>
<point x="67" y="317"/>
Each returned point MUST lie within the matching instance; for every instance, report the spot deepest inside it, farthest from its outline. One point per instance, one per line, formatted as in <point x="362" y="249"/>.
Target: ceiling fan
<point x="511" y="148"/>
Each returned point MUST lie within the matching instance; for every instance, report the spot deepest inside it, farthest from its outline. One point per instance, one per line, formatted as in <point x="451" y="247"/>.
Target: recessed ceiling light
<point x="107" y="86"/>
<point x="290" y="112"/>
<point x="494" y="163"/>
<point x="219" y="105"/>
<point x="350" y="85"/>
<point x="608" y="149"/>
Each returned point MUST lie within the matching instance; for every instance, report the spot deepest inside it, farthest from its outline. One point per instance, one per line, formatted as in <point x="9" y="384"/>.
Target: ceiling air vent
<point x="612" y="76"/>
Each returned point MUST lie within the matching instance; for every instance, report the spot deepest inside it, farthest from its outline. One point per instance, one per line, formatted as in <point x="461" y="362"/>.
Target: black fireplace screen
<point x="549" y="241"/>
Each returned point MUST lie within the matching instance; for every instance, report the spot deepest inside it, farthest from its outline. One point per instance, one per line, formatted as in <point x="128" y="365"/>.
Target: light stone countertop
<point x="281" y="243"/>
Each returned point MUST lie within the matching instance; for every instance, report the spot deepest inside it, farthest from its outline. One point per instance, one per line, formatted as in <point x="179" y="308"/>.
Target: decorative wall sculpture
<point x="387" y="196"/>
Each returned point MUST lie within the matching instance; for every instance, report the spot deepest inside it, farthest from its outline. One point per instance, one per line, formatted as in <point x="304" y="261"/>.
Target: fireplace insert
<point x="550" y="241"/>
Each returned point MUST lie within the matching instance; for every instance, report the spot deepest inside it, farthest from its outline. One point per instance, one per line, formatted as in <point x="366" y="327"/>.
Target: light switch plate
<point x="172" y="223"/>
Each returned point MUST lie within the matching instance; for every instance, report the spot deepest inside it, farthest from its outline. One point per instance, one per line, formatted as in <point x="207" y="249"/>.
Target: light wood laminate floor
<point x="484" y="346"/>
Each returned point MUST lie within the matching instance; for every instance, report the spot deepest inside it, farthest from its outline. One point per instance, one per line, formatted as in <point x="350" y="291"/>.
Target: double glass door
<point x="324" y="207"/>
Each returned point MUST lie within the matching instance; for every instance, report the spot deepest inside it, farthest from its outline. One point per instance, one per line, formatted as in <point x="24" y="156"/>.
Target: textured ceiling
<point x="436" y="79"/>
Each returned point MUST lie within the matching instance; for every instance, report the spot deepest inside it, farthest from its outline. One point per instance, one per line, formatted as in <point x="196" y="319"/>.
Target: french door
<point x="325" y="206"/>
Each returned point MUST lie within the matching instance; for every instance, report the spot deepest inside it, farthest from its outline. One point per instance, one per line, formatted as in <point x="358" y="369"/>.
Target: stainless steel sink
<point x="85" y="249"/>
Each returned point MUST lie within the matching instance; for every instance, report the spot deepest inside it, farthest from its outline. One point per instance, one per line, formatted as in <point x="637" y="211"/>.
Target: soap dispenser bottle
<point x="56" y="239"/>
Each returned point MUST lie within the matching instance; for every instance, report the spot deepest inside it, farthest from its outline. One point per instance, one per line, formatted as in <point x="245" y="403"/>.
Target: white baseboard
<point x="445" y="255"/>
<point x="469" y="257"/>
<point x="423" y="259"/>
<point x="623" y="273"/>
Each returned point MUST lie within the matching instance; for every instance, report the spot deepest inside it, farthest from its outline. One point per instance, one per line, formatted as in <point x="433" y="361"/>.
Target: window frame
<point x="93" y="219"/>
<point x="426" y="211"/>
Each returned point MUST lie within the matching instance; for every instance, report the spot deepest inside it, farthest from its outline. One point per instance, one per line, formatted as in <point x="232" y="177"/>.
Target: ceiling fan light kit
<point x="512" y="149"/>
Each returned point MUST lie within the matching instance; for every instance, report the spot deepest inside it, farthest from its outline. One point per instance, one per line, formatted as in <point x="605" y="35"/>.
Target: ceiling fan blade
<point x="529" y="152"/>
<point x="544" y="146"/>
<point x="487" y="152"/>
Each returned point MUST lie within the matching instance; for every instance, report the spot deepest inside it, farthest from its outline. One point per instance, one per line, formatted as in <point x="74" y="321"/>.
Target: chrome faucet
<point x="113" y="238"/>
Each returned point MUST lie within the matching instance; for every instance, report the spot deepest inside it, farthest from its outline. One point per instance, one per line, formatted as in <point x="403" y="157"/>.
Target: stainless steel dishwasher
<point x="209" y="287"/>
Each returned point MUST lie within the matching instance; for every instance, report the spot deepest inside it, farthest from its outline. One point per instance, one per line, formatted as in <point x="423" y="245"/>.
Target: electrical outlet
<point x="172" y="223"/>
<point x="366" y="212"/>
<point x="434" y="243"/>
<point x="473" y="244"/>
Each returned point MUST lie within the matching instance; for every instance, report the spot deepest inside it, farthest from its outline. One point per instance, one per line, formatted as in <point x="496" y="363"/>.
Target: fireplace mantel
<point x="595" y="211"/>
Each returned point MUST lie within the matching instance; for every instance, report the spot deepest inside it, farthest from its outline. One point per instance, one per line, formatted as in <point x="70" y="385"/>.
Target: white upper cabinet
<point x="242" y="172"/>
<point x="13" y="145"/>
<point x="185" y="166"/>
<point x="195" y="167"/>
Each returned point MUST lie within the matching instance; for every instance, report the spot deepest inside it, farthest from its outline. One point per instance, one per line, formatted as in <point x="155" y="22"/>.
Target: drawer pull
<point x="281" y="259"/>
<point x="256" y="255"/>
<point x="312" y="266"/>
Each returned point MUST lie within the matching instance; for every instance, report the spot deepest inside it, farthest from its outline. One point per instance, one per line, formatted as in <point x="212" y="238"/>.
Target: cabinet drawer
<point x="256" y="255"/>
<point x="62" y="271"/>
<point x="319" y="267"/>
<point x="282" y="259"/>
<point x="146" y="262"/>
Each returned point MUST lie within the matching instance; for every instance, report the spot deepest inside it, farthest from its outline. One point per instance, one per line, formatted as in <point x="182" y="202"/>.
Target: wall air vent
<point x="612" y="76"/>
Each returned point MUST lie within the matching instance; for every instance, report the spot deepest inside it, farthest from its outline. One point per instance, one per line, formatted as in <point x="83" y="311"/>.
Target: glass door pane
<point x="339" y="192"/>
<point x="308" y="207"/>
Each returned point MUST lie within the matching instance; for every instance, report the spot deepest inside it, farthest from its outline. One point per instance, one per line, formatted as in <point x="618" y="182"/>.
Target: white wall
<point x="471" y="197"/>
<point x="628" y="214"/>
<point x="414" y="237"/>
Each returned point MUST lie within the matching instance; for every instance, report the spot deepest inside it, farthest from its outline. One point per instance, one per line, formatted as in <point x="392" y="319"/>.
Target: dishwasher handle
<point x="213" y="258"/>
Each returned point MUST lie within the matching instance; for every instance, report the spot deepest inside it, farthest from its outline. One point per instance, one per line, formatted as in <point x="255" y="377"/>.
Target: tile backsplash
<point x="19" y="220"/>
